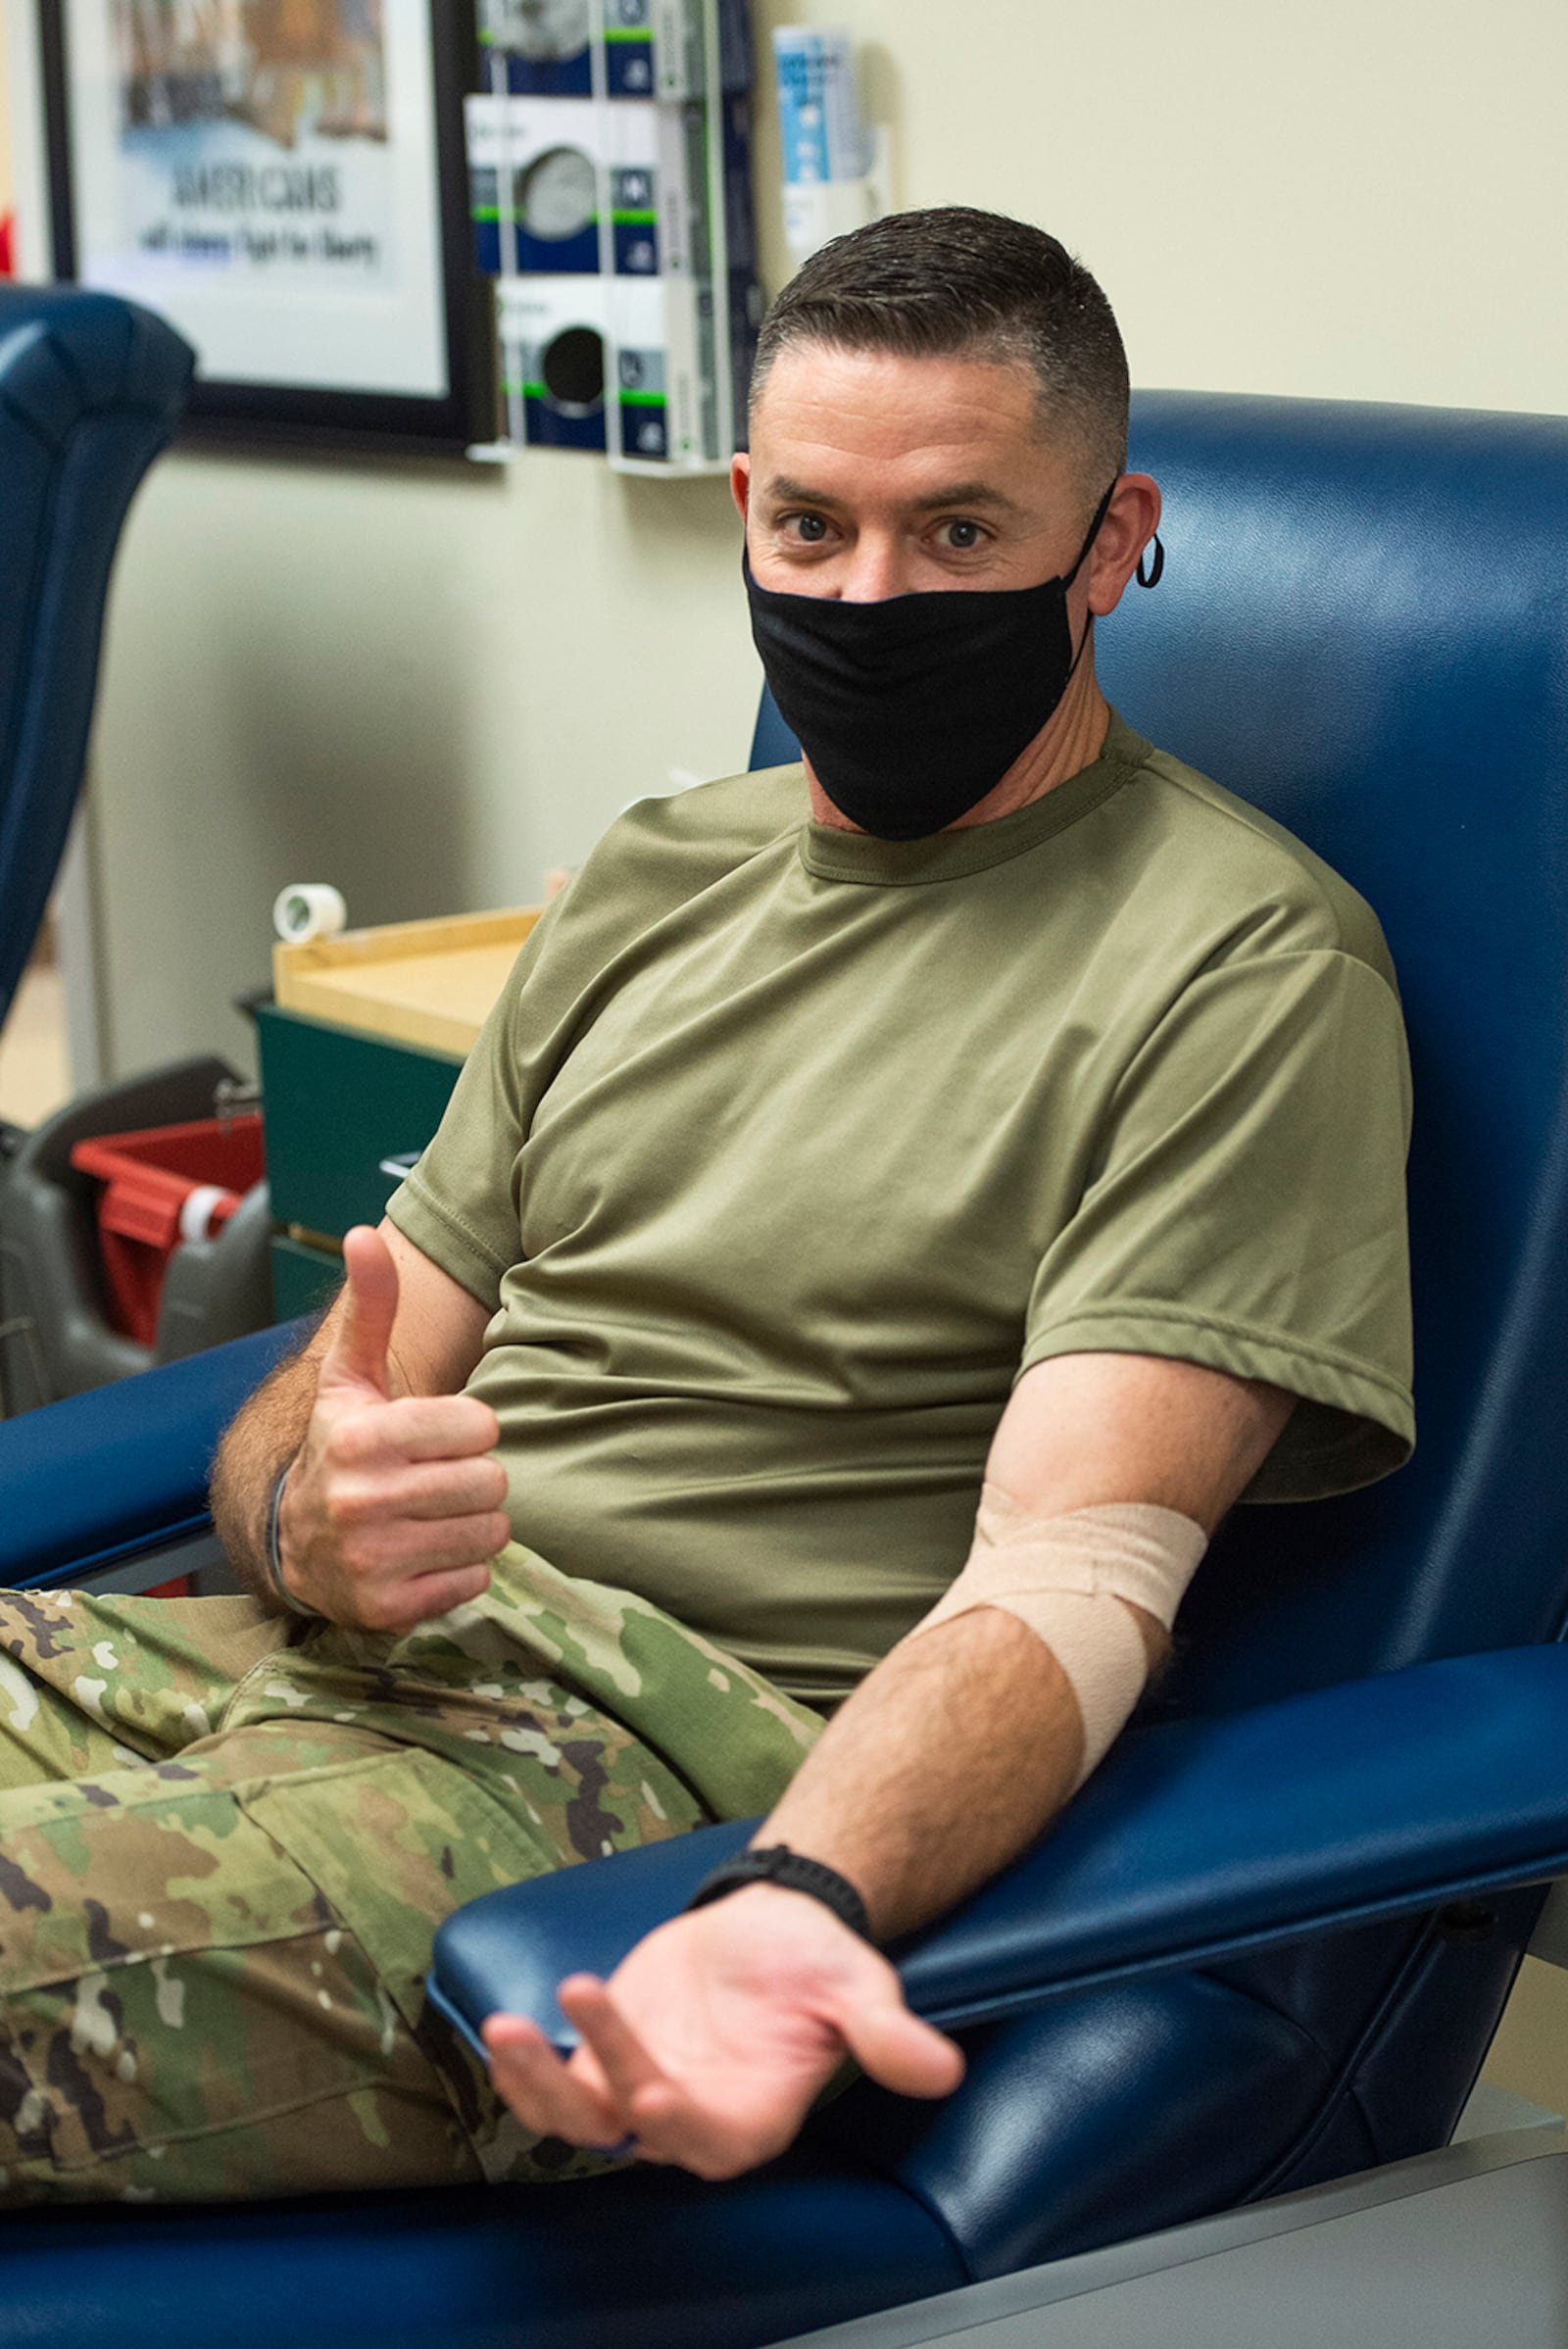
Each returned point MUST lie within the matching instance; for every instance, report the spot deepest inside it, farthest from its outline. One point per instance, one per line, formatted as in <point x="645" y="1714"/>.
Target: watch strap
<point x="776" y="1864"/>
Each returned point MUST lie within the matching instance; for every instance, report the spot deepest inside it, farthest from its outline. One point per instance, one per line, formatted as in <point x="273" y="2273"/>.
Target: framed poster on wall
<point x="285" y="182"/>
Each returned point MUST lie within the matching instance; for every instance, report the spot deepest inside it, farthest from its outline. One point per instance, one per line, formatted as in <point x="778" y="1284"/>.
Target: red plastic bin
<point x="159" y="1186"/>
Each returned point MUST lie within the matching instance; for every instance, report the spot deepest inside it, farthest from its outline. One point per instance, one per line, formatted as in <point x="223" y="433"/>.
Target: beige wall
<point x="21" y="130"/>
<point x="8" y="195"/>
<point x="1530" y="2053"/>
<point x="1360" y="198"/>
<point x="426" y="685"/>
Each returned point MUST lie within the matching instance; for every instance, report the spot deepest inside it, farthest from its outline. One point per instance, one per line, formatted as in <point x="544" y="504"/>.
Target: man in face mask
<point x="885" y="488"/>
<point x="897" y="1208"/>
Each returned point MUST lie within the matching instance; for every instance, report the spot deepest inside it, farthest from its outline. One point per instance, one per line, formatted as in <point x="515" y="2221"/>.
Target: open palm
<point x="711" y="2040"/>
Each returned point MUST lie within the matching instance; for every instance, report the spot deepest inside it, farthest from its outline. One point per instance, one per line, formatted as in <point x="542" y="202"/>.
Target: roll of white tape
<point x="308" y="909"/>
<point x="196" y="1210"/>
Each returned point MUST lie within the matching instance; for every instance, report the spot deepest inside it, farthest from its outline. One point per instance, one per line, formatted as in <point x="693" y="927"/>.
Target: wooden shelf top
<point x="426" y="983"/>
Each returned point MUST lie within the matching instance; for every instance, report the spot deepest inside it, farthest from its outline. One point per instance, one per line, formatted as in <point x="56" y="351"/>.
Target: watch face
<point x="545" y="30"/>
<point x="559" y="195"/>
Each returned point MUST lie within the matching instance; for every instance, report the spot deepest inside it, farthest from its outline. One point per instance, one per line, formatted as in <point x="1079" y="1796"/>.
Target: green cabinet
<point x="342" y="1107"/>
<point x="339" y="1104"/>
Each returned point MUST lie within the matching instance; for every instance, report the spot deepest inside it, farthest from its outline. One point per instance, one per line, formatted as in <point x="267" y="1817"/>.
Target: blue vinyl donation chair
<point x="1269" y="1944"/>
<point x="91" y="388"/>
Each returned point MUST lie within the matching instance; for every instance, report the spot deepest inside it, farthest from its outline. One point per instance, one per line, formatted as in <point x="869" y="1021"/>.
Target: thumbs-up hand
<point x="394" y="1507"/>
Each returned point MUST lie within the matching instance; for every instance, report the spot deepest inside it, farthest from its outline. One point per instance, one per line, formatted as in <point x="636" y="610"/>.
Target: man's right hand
<point x="393" y="1507"/>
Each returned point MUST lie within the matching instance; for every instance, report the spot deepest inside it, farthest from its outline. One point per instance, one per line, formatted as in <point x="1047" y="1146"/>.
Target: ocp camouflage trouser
<point x="224" y="1848"/>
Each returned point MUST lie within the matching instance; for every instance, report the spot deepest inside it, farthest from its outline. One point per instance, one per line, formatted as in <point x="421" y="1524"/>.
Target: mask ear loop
<point x="1157" y="569"/>
<point x="1101" y="512"/>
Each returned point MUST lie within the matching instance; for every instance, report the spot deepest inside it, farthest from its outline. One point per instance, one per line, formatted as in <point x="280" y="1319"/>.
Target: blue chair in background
<point x="91" y="388"/>
<point x="1269" y="1944"/>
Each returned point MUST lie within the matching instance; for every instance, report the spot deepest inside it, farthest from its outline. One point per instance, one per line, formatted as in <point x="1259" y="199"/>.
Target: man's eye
<point x="809" y="528"/>
<point x="962" y="537"/>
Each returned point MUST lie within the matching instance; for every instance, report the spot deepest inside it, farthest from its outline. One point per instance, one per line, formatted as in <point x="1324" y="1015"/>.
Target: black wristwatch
<point x="778" y="1865"/>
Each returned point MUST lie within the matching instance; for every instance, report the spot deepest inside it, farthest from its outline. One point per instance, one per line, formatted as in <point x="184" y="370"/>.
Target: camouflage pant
<point x="224" y="1850"/>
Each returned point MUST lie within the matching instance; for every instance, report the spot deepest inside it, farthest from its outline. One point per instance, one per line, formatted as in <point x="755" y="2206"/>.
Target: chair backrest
<point x="1363" y="629"/>
<point x="91" y="387"/>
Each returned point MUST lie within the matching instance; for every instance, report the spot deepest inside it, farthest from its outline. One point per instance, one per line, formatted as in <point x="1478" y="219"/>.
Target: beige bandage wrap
<point x="1064" y="1577"/>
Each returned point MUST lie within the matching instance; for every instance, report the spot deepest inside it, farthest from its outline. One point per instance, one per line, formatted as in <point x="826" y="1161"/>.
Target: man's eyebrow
<point x="966" y="494"/>
<point x="791" y="492"/>
<point x="784" y="488"/>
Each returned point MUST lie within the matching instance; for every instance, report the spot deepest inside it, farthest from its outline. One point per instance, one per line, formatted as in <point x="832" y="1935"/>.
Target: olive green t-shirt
<point x="787" y="1148"/>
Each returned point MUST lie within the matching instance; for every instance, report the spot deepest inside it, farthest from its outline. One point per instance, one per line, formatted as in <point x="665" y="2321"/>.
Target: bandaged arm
<point x="1071" y="1578"/>
<point x="957" y="1749"/>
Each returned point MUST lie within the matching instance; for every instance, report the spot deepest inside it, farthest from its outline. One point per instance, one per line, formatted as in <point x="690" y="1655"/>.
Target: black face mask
<point x="911" y="710"/>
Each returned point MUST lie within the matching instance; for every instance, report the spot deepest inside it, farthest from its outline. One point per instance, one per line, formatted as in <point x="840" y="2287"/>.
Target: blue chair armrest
<point x="1194" y="1843"/>
<point x="102" y="1475"/>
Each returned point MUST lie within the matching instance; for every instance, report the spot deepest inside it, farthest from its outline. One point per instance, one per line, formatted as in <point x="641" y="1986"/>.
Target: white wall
<point x="428" y="685"/>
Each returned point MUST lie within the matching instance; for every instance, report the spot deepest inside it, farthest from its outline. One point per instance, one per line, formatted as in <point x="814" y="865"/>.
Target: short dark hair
<point x="952" y="280"/>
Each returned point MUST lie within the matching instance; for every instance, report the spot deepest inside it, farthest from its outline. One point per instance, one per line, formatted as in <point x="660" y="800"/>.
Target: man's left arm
<point x="712" y="2038"/>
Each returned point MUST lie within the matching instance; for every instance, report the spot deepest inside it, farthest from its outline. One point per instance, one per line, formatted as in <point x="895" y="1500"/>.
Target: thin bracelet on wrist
<point x="275" y="1557"/>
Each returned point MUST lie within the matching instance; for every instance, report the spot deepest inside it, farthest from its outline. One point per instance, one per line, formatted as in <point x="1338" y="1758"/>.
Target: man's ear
<point x="1131" y="521"/>
<point x="740" y="481"/>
